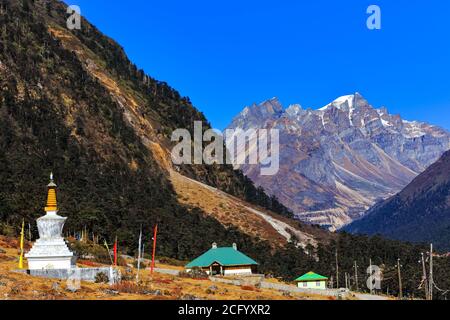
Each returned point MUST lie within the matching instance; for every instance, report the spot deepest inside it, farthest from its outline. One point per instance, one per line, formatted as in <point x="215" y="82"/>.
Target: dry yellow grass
<point x="226" y="209"/>
<point x="19" y="286"/>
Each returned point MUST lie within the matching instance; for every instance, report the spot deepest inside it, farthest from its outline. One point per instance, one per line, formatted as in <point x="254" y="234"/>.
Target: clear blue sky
<point x="225" y="55"/>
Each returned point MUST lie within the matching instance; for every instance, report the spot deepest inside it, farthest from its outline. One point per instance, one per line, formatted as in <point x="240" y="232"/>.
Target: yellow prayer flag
<point x="109" y="252"/>
<point x="22" y="234"/>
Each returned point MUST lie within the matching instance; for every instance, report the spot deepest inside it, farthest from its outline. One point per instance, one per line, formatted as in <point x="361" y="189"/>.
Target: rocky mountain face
<point x="337" y="161"/>
<point x="419" y="213"/>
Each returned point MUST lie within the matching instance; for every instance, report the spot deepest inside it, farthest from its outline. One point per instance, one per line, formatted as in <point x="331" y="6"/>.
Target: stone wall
<point x="82" y="274"/>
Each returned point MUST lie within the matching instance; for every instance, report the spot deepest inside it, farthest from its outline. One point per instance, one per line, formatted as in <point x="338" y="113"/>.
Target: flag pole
<point x="139" y="256"/>
<point x="109" y="252"/>
<point x="154" y="249"/>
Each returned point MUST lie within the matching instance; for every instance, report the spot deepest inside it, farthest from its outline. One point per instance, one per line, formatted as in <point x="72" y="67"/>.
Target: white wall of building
<point x="321" y="285"/>
<point x="231" y="271"/>
<point x="238" y="271"/>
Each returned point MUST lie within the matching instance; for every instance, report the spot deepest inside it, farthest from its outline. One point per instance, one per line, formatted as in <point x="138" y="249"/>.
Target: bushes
<point x="101" y="278"/>
<point x="128" y="287"/>
<point x="195" y="273"/>
<point x="7" y="230"/>
<point x="142" y="265"/>
<point x="90" y="251"/>
<point x="172" y="262"/>
<point x="250" y="288"/>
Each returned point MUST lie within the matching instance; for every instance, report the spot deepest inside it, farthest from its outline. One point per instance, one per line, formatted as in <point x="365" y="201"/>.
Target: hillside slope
<point x="420" y="213"/>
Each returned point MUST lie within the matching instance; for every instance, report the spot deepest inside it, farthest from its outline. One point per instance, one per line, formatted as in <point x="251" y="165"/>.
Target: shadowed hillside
<point x="420" y="213"/>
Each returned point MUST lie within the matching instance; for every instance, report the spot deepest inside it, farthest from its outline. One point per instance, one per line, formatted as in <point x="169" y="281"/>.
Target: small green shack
<point x="312" y="280"/>
<point x="224" y="261"/>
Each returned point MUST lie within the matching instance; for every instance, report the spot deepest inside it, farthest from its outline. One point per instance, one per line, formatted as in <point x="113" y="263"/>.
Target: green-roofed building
<point x="224" y="261"/>
<point x="312" y="280"/>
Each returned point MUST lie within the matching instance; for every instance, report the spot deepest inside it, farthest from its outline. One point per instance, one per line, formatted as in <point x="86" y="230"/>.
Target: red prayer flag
<point x="115" y="252"/>
<point x="154" y="248"/>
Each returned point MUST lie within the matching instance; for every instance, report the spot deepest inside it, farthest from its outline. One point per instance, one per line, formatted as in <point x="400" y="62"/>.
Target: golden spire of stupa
<point x="51" y="196"/>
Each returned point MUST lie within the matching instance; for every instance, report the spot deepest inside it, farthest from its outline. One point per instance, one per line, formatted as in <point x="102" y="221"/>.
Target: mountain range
<point x="419" y="213"/>
<point x="338" y="161"/>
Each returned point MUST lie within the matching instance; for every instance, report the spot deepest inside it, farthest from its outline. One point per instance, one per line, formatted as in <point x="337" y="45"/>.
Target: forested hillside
<point x="56" y="117"/>
<point x="420" y="213"/>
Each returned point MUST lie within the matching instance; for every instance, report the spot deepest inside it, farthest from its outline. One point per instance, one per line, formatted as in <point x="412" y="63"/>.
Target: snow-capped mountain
<point x="337" y="161"/>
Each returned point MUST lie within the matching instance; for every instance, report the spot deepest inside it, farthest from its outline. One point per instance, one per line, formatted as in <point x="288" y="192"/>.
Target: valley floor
<point x="160" y="286"/>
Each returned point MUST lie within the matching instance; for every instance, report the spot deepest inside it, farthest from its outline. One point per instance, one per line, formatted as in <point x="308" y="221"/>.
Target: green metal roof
<point x="223" y="256"/>
<point x="311" y="276"/>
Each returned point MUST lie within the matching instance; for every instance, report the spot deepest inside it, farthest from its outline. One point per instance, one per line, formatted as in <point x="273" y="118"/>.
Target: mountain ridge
<point x="343" y="157"/>
<point x="419" y="213"/>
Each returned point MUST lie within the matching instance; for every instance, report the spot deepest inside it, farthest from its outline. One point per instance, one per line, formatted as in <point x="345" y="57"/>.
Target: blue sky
<point x="225" y="55"/>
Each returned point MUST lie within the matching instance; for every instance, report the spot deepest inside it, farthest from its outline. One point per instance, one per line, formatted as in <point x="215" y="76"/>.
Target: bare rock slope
<point x="419" y="213"/>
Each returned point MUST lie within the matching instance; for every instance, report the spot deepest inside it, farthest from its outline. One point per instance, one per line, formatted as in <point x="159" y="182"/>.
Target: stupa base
<point x="46" y="263"/>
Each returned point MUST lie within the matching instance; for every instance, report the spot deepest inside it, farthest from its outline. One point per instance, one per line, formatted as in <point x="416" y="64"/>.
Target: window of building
<point x="305" y="284"/>
<point x="318" y="284"/>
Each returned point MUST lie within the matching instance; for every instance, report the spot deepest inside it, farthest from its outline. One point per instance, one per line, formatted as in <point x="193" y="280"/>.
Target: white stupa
<point x="50" y="251"/>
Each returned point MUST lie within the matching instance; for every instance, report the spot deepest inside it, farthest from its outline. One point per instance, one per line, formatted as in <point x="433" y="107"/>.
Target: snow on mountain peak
<point x="360" y="115"/>
<point x="351" y="101"/>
